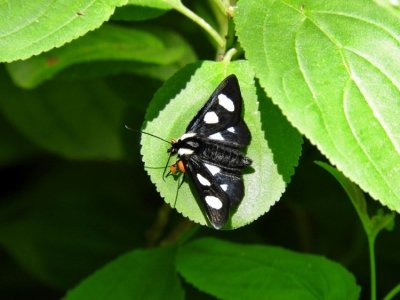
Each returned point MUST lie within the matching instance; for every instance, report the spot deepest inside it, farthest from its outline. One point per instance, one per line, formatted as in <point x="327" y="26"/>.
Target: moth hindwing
<point x="209" y="152"/>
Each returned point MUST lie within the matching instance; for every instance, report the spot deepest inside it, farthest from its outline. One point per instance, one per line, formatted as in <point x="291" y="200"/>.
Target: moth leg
<point x="166" y="166"/>
<point x="178" y="187"/>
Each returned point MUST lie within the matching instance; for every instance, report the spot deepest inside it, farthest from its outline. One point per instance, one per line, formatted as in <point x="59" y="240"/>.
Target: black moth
<point x="209" y="152"/>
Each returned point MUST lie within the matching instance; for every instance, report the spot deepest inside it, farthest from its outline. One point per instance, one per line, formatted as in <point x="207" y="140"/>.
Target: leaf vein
<point x="355" y="135"/>
<point x="394" y="35"/>
<point x="375" y="111"/>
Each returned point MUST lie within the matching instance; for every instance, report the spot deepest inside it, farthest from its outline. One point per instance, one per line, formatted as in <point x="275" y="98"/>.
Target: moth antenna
<point x="150" y="134"/>
<point x="182" y="181"/>
<point x="153" y="167"/>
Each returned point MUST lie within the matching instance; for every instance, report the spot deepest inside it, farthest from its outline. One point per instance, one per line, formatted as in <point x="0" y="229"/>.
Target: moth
<point x="209" y="152"/>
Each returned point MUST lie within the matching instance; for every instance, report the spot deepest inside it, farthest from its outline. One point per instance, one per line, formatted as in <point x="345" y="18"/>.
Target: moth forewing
<point x="210" y="152"/>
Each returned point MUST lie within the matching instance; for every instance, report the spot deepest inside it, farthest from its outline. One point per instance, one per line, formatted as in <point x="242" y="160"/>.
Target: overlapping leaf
<point x="29" y="28"/>
<point x="333" y="67"/>
<point x="263" y="183"/>
<point x="233" y="271"/>
<point x="140" y="50"/>
<point x="140" y="274"/>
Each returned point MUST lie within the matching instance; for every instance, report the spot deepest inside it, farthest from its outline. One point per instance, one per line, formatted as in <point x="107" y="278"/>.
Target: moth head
<point x="174" y="147"/>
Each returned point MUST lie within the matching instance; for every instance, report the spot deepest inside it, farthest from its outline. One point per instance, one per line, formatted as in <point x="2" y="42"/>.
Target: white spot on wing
<point x="216" y="136"/>
<point x="231" y="129"/>
<point x="213" y="202"/>
<point x="224" y="187"/>
<point x="213" y="169"/>
<point x="187" y="135"/>
<point x="203" y="180"/>
<point x="225" y="102"/>
<point x="185" y="151"/>
<point x="211" y="118"/>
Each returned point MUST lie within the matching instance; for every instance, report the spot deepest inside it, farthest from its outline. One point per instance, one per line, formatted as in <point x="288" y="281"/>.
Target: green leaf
<point x="168" y="115"/>
<point x="140" y="274"/>
<point x="391" y="5"/>
<point x="233" y="271"/>
<point x="333" y="68"/>
<point x="147" y="48"/>
<point x="28" y="30"/>
<point x="77" y="120"/>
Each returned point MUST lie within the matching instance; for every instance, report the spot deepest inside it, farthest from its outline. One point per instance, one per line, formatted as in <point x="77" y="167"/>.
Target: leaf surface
<point x="333" y="67"/>
<point x="140" y="274"/>
<point x="233" y="271"/>
<point x="27" y="29"/>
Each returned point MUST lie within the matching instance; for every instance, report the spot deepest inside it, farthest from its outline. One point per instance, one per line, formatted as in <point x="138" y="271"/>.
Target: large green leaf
<point x="233" y="271"/>
<point x="28" y="29"/>
<point x="150" y="48"/>
<point x="333" y="68"/>
<point x="169" y="118"/>
<point x="140" y="274"/>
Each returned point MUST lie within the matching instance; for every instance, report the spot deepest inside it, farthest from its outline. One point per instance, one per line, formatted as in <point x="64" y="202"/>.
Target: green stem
<point x="393" y="292"/>
<point x="222" y="5"/>
<point x="371" y="246"/>
<point x="201" y="22"/>
<point x="229" y="54"/>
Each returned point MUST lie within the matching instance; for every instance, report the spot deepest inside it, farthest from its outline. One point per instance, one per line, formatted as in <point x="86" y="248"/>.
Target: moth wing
<point x="222" y="110"/>
<point x="231" y="182"/>
<point x="218" y="191"/>
<point x="237" y="136"/>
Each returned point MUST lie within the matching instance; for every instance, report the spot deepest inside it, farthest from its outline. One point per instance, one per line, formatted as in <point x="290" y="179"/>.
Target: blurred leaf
<point x="14" y="147"/>
<point x="233" y="271"/>
<point x="151" y="47"/>
<point x="17" y="284"/>
<point x="77" y="120"/>
<point x="160" y="4"/>
<point x="137" y="12"/>
<point x="263" y="184"/>
<point x="109" y="68"/>
<point x="28" y="30"/>
<point x="333" y="68"/>
<point x="75" y="218"/>
<point x="140" y="274"/>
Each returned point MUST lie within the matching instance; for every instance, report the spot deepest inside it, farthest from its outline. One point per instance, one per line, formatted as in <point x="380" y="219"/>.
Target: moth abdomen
<point x="224" y="156"/>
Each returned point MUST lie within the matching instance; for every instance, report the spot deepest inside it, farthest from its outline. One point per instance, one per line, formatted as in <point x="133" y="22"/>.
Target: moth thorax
<point x="177" y="167"/>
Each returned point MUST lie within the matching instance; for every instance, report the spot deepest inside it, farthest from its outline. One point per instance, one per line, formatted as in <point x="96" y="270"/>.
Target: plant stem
<point x="393" y="292"/>
<point x="201" y="22"/>
<point x="221" y="5"/>
<point x="229" y="54"/>
<point x="371" y="246"/>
